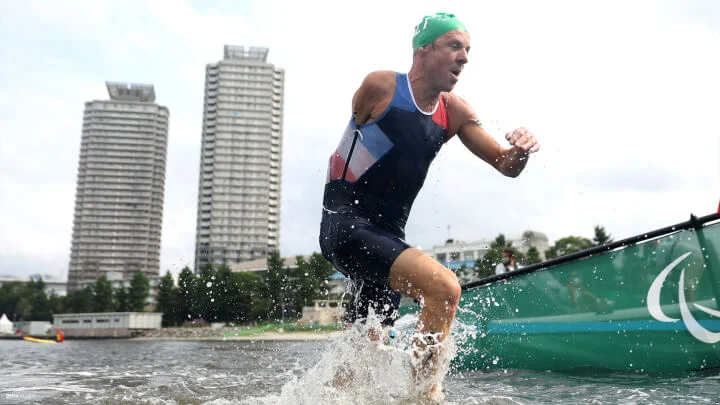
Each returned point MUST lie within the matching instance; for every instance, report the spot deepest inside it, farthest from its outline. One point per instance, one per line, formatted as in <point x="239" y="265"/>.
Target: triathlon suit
<point x="372" y="181"/>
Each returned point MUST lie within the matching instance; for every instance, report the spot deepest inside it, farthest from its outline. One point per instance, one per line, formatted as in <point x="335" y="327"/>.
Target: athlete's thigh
<point x="418" y="275"/>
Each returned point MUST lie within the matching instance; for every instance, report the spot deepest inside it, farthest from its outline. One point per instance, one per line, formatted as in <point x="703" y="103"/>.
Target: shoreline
<point x="300" y="336"/>
<point x="200" y="334"/>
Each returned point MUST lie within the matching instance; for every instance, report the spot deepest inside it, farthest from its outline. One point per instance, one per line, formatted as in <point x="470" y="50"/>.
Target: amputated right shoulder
<point x="373" y="96"/>
<point x="379" y="82"/>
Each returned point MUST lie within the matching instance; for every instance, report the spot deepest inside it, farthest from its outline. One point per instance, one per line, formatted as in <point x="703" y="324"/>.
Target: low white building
<point x="52" y="284"/>
<point x="323" y="312"/>
<point x="107" y="324"/>
<point x="34" y="328"/>
<point x="453" y="254"/>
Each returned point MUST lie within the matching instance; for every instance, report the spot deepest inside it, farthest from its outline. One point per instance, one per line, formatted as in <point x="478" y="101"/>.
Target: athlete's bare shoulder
<point x="373" y="96"/>
<point x="460" y="112"/>
<point x="379" y="83"/>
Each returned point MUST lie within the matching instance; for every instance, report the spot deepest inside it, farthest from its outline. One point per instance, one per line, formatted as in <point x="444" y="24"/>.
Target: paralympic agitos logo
<point x="692" y="325"/>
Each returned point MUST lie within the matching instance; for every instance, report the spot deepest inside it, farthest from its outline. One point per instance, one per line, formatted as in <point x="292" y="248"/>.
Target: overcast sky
<point x="623" y="96"/>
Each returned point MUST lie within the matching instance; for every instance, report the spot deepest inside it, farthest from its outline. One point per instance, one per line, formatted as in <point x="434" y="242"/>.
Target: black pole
<point x="709" y="257"/>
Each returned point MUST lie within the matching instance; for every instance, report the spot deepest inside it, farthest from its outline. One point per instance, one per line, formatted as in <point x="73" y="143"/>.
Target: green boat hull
<point x="651" y="305"/>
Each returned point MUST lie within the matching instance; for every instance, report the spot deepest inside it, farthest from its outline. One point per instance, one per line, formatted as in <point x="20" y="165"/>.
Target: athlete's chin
<point x="450" y="86"/>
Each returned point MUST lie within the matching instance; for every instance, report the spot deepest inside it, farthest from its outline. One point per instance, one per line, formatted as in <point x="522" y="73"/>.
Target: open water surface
<point x="289" y="373"/>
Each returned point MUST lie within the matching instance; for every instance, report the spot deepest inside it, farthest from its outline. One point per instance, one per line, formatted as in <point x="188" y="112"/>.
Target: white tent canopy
<point x="5" y="325"/>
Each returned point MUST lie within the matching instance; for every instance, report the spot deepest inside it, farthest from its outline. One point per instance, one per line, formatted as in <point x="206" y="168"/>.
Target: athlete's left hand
<point x="523" y="139"/>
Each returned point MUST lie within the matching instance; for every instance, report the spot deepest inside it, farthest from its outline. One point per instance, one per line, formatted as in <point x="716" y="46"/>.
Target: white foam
<point x="358" y="371"/>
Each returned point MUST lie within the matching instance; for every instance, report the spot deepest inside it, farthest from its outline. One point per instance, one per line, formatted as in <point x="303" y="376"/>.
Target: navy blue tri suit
<point x="372" y="181"/>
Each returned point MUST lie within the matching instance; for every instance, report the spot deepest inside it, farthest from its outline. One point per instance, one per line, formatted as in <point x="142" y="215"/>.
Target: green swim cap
<point x="433" y="26"/>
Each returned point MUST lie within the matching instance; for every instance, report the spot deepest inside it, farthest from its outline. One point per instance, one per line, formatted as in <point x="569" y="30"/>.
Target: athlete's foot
<point x="434" y="395"/>
<point x="427" y="370"/>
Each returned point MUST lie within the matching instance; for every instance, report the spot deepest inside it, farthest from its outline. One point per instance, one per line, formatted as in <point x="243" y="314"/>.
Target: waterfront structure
<point x="107" y="324"/>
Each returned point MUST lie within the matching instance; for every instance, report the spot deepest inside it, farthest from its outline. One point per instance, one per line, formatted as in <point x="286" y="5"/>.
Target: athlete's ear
<point x="421" y="50"/>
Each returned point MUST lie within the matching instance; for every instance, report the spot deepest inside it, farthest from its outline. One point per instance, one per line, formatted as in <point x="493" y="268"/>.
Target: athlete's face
<point x="446" y="58"/>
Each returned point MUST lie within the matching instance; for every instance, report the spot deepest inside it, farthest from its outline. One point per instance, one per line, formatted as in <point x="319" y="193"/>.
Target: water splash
<point x="356" y="370"/>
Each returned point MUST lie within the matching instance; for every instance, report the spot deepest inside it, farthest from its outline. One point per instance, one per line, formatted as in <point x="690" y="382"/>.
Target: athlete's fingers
<point x="515" y="135"/>
<point x="528" y="144"/>
<point x="510" y="136"/>
<point x="525" y="142"/>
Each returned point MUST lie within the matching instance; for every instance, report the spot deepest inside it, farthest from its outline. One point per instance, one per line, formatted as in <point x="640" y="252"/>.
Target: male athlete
<point x="399" y="123"/>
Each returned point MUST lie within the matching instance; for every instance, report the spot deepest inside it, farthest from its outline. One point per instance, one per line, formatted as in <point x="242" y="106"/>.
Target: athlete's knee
<point x="453" y="291"/>
<point x="446" y="291"/>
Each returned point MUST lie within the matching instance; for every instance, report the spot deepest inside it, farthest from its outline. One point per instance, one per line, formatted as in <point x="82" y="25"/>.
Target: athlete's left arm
<point x="508" y="161"/>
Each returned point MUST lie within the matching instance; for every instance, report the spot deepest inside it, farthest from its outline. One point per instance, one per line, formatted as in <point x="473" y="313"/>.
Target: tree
<point x="102" y="300"/>
<point x="139" y="292"/>
<point x="532" y="256"/>
<point x="56" y="303"/>
<point x="79" y="301"/>
<point x="321" y="271"/>
<point x="248" y="297"/>
<point x="122" y="299"/>
<point x="485" y="266"/>
<point x="10" y="295"/>
<point x="204" y="293"/>
<point x="568" y="245"/>
<point x="186" y="294"/>
<point x="312" y="280"/>
<point x="225" y="295"/>
<point x="278" y="288"/>
<point x="601" y="237"/>
<point x="38" y="300"/>
<point x="24" y="309"/>
<point x="167" y="301"/>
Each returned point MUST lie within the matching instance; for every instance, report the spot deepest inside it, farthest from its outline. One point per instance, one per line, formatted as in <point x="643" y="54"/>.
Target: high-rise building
<point x="120" y="186"/>
<point x="238" y="213"/>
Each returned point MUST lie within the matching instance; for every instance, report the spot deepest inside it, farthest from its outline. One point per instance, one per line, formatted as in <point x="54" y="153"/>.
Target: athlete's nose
<point x="462" y="57"/>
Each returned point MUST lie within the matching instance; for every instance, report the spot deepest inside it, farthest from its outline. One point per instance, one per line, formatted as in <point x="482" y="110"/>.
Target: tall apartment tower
<point x="238" y="217"/>
<point x="120" y="186"/>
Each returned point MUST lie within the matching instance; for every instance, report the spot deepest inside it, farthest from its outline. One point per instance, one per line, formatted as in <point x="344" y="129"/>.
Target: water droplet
<point x="209" y="284"/>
